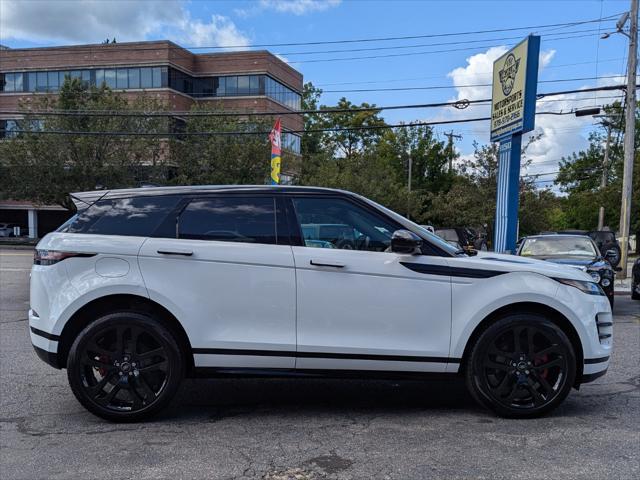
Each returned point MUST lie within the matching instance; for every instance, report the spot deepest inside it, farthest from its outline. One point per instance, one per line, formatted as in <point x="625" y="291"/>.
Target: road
<point x="309" y="429"/>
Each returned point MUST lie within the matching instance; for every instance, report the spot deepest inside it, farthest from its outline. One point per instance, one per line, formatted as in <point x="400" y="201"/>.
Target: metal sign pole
<point x="513" y="105"/>
<point x="507" y="201"/>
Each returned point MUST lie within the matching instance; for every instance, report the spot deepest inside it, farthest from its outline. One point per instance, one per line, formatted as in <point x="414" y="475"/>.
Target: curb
<point x="11" y="246"/>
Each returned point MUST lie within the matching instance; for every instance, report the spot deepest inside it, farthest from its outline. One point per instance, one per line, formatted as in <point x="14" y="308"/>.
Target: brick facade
<point x="160" y="53"/>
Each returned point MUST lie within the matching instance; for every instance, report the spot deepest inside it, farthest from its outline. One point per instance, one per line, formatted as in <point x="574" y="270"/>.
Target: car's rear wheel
<point x="521" y="366"/>
<point x="125" y="366"/>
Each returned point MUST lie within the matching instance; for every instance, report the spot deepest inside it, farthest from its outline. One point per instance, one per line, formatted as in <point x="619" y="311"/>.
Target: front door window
<point x="338" y="223"/>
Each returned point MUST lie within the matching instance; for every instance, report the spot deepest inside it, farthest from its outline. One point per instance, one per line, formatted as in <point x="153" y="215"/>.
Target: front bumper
<point x="594" y="368"/>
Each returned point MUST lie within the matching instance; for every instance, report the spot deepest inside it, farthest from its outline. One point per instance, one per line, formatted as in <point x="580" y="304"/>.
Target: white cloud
<point x="476" y="72"/>
<point x="299" y="7"/>
<point x="220" y="31"/>
<point x="561" y="135"/>
<point x="91" y="21"/>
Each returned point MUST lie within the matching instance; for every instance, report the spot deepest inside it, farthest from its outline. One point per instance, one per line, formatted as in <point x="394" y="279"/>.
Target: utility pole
<point x="409" y="188"/>
<point x="603" y="180"/>
<point x="629" y="136"/>
<point x="451" y="136"/>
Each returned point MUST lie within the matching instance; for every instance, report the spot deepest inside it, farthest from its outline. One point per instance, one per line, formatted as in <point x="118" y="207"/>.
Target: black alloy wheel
<point x="521" y="366"/>
<point x="124" y="366"/>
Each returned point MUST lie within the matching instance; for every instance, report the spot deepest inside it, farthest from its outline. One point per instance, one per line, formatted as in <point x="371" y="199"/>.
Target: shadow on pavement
<point x="220" y="398"/>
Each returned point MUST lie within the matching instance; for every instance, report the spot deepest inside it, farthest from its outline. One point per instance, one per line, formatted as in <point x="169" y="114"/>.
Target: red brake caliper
<point x="540" y="361"/>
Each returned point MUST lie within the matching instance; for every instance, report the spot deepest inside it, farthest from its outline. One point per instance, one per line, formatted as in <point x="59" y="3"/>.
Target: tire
<point x="634" y="292"/>
<point x="125" y="366"/>
<point x="616" y="260"/>
<point x="513" y="381"/>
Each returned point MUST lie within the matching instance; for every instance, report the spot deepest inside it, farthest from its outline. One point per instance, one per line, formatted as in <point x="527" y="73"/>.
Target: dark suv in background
<point x="606" y="242"/>
<point x="465" y="238"/>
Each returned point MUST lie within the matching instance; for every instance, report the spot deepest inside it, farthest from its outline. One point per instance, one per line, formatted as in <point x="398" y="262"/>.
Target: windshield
<point x="569" y="246"/>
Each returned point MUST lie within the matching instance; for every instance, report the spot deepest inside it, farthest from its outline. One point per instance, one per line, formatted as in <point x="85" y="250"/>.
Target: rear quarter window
<point x="139" y="216"/>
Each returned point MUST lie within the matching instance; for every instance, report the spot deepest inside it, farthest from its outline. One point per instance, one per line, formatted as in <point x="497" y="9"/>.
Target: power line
<point x="393" y="80"/>
<point x="442" y="87"/>
<point x="110" y="61"/>
<point x="461" y="104"/>
<point x="401" y="47"/>
<point x="395" y="55"/>
<point x="127" y="47"/>
<point x="265" y="132"/>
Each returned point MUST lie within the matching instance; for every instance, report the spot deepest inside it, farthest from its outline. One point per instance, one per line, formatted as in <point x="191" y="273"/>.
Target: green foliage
<point x="580" y="176"/>
<point x="44" y="166"/>
<point x="220" y="159"/>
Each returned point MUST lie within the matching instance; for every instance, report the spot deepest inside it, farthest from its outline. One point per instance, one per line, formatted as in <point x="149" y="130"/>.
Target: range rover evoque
<point x="143" y="287"/>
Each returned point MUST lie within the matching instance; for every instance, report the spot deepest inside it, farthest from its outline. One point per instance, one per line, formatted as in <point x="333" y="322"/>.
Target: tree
<point x="42" y="165"/>
<point x="346" y="143"/>
<point x="580" y="175"/>
<point x="221" y="159"/>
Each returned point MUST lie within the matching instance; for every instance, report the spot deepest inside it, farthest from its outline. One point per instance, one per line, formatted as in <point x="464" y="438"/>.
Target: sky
<point x="448" y="62"/>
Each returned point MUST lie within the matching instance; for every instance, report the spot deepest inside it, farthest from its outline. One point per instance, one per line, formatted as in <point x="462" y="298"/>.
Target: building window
<point x="146" y="78"/>
<point x="122" y="80"/>
<point x="99" y="78"/>
<point x="155" y="77"/>
<point x="53" y="81"/>
<point x="254" y="85"/>
<point x="8" y="128"/>
<point x="291" y="142"/>
<point x="243" y="85"/>
<point x="12" y="82"/>
<point x="134" y="77"/>
<point x="231" y="86"/>
<point x="110" y="78"/>
<point x="31" y="81"/>
<point x="41" y="82"/>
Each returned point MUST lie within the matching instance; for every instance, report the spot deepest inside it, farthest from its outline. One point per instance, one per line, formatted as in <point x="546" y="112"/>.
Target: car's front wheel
<point x="521" y="366"/>
<point x="125" y="366"/>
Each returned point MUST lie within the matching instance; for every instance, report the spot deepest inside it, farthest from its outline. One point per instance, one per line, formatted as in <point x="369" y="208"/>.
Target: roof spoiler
<point x="83" y="200"/>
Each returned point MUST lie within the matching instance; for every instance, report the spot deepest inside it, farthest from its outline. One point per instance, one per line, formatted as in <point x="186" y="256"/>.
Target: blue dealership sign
<point x="513" y="110"/>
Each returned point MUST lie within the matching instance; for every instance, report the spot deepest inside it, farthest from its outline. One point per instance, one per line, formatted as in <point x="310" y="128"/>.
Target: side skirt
<point x="221" y="372"/>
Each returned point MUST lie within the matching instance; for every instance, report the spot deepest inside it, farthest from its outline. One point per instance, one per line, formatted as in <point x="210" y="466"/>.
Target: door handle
<point x="185" y="253"/>
<point x="324" y="263"/>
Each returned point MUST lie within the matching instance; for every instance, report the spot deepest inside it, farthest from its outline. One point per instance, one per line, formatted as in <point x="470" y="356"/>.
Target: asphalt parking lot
<point x="309" y="429"/>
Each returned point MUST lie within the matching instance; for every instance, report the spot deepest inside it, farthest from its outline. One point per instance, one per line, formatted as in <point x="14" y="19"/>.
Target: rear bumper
<point x="44" y="343"/>
<point x="47" y="357"/>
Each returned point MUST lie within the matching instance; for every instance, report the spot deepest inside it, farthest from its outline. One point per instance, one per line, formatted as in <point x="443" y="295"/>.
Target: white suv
<point x="146" y="286"/>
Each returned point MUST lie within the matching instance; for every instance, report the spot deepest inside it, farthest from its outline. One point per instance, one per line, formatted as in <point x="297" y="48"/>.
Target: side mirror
<point x="404" y="241"/>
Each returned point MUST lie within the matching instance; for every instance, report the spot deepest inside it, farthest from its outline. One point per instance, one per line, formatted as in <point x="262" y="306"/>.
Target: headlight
<point x="606" y="282"/>
<point x="590" y="288"/>
<point x="595" y="276"/>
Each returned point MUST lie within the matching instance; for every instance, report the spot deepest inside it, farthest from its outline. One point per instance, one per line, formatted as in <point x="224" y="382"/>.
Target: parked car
<point x="578" y="251"/>
<point x="147" y="286"/>
<point x="605" y="240"/>
<point x="6" y="229"/>
<point x="635" y="280"/>
<point x="464" y="238"/>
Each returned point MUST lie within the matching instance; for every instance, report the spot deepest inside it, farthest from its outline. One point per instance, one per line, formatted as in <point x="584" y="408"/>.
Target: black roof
<point x="87" y="198"/>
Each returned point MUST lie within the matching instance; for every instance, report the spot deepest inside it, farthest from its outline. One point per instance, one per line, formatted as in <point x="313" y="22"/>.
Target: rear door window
<point x="139" y="216"/>
<point x="230" y="219"/>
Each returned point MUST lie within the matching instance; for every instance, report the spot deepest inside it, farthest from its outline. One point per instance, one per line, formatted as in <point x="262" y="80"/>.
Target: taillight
<point x="51" y="257"/>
